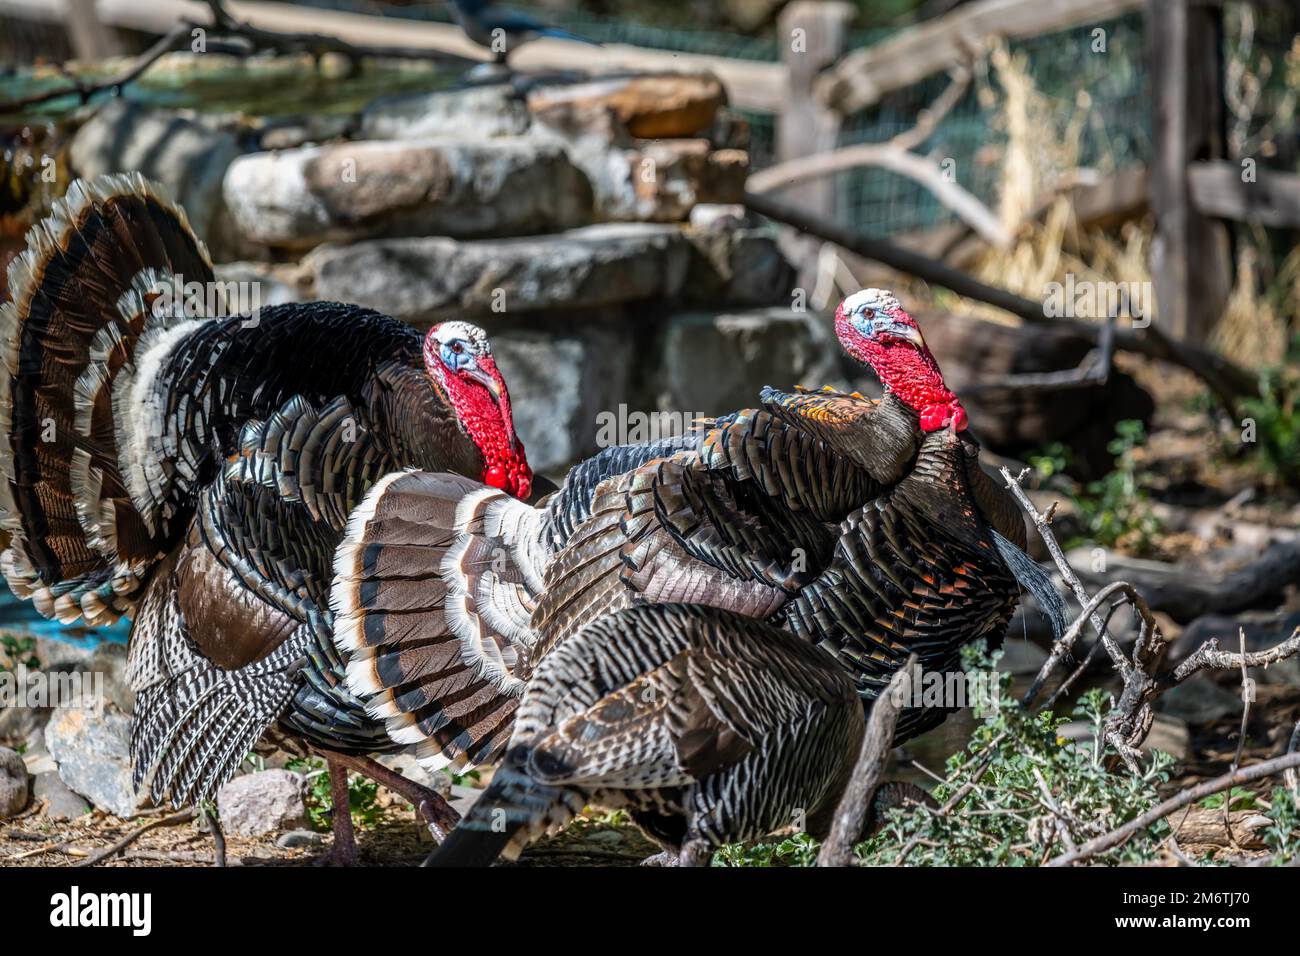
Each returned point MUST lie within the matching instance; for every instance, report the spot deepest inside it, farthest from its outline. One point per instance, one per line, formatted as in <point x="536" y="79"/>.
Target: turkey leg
<point x="432" y="807"/>
<point x="344" y="852"/>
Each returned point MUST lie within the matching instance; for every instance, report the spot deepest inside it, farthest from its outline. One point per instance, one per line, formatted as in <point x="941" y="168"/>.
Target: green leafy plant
<point x="1049" y="460"/>
<point x="16" y="651"/>
<point x="1116" y="510"/>
<point x="1002" y="816"/>
<point x="1282" y="836"/>
<point x="362" y="794"/>
<point x="799" y="849"/>
<point x="1275" y="413"/>
<point x="1240" y="797"/>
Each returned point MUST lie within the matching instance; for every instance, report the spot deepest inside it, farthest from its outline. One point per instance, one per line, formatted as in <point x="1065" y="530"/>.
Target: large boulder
<point x="299" y="198"/>
<point x="649" y="106"/>
<point x="737" y="266"/>
<point x="715" y="362"/>
<point x="430" y="279"/>
<point x="559" y="383"/>
<point x="93" y="752"/>
<point x="186" y="153"/>
<point x="474" y="113"/>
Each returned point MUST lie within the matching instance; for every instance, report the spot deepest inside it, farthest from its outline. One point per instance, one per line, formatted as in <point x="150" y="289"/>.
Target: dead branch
<point x="1093" y="370"/>
<point x="846" y="829"/>
<point x="1228" y="382"/>
<point x="173" y="40"/>
<point x="1130" y="719"/>
<point x="1292" y="776"/>
<point x="1211" y="656"/>
<point x="896" y="155"/>
<point x="1062" y="648"/>
<point x="1119" y="836"/>
<point x="185" y="816"/>
<point x="241" y="39"/>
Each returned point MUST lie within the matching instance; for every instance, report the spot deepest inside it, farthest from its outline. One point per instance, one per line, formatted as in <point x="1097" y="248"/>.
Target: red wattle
<point x="496" y="476"/>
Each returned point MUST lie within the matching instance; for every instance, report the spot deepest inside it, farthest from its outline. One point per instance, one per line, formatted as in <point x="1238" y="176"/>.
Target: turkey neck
<point x="913" y="375"/>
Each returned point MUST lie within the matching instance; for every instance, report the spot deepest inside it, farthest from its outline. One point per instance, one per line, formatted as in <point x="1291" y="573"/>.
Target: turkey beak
<point x="488" y="381"/>
<point x="900" y="330"/>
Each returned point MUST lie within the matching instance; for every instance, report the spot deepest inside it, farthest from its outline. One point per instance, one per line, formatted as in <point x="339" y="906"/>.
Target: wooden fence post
<point x="1191" y="254"/>
<point x="811" y="34"/>
<point x="91" y="40"/>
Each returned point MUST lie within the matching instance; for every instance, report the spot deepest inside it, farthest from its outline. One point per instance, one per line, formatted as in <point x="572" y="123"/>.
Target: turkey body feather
<point x="196" y="472"/>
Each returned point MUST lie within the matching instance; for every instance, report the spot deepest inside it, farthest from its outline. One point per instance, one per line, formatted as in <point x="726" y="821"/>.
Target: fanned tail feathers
<point x="434" y="584"/>
<point x="81" y="342"/>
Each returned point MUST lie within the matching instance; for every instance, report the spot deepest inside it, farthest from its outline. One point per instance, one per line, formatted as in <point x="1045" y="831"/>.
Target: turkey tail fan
<point x="512" y="811"/>
<point x="77" y="335"/>
<point x="432" y="594"/>
<point x="1031" y="576"/>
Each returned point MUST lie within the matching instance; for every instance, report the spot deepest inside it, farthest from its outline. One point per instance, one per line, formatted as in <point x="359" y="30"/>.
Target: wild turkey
<point x="196" y="473"/>
<point x="712" y="727"/>
<point x="867" y="527"/>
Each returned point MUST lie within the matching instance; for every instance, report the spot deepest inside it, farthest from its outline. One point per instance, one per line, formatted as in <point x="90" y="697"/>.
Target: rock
<point x="296" y="839"/>
<point x="1199" y="700"/>
<point x="60" y="802"/>
<point x="300" y="198"/>
<point x="559" y="384"/>
<point x="18" y="724"/>
<point x="1021" y="657"/>
<point x="660" y="182"/>
<point x="408" y="766"/>
<point x="426" y="280"/>
<point x="716" y="362"/>
<point x="93" y="753"/>
<point x="738" y="267"/>
<point x="474" y="113"/>
<point x="258" y="804"/>
<point x="720" y="216"/>
<point x="660" y="106"/>
<point x="13" y="783"/>
<point x="463" y="798"/>
<point x="185" y="154"/>
<point x="109" y="660"/>
<point x="1168" y="734"/>
<point x="264" y="283"/>
<point x="294" y="131"/>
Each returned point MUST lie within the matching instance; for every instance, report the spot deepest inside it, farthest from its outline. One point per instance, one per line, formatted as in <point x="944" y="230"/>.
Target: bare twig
<point x="1050" y="802"/>
<point x="1062" y="648"/>
<point x="213" y="826"/>
<point x="1292" y="776"/>
<point x="185" y="816"/>
<point x="1119" y="836"/>
<point x="896" y="155"/>
<point x="1247" y="695"/>
<point x="1093" y="370"/>
<point x="985" y="759"/>
<point x="1130" y="719"/>
<point x="173" y="40"/>
<point x="846" y="829"/>
<point x="247" y="39"/>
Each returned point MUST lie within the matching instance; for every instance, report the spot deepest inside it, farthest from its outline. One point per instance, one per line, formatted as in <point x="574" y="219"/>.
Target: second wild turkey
<point x="866" y="527"/>
<point x="711" y="727"/>
<point x="195" y="472"/>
